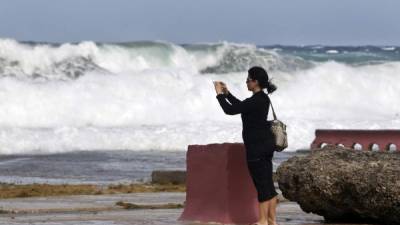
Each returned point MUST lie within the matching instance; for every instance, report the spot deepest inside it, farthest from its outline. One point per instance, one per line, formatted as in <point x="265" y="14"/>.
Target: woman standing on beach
<point x="255" y="133"/>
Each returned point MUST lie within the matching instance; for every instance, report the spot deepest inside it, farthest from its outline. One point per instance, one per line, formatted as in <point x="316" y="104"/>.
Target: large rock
<point x="342" y="184"/>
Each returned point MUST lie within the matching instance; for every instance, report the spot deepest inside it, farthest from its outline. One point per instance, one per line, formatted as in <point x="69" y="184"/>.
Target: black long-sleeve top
<point x="254" y="112"/>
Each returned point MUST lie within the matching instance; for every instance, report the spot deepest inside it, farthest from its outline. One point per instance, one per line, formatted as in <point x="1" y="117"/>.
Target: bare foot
<point x="270" y="222"/>
<point x="260" y="223"/>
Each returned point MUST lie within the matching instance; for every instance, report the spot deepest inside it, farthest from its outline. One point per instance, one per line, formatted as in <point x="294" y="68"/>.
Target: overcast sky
<point x="297" y="22"/>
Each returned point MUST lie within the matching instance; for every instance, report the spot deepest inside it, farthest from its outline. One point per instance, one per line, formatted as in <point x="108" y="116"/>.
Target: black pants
<point x="259" y="162"/>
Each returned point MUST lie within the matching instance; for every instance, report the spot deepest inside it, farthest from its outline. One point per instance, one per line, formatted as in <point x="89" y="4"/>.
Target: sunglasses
<point x="248" y="80"/>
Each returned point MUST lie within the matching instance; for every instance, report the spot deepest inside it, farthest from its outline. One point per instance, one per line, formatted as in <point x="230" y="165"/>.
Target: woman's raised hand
<point x="218" y="87"/>
<point x="224" y="88"/>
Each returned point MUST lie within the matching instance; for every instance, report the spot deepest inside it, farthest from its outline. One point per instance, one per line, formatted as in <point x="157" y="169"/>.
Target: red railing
<point x="375" y="140"/>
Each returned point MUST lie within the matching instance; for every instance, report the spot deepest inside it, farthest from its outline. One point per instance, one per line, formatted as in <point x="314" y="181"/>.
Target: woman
<point x="255" y="133"/>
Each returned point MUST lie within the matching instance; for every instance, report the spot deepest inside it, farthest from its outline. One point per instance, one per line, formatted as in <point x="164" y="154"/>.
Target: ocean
<point x="96" y="167"/>
<point x="94" y="100"/>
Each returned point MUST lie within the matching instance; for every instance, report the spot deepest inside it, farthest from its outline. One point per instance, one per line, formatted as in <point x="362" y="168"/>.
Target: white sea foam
<point x="389" y="48"/>
<point x="332" y="51"/>
<point x="167" y="105"/>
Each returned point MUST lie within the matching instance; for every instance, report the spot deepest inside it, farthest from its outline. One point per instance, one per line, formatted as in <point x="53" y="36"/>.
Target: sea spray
<point x="155" y="95"/>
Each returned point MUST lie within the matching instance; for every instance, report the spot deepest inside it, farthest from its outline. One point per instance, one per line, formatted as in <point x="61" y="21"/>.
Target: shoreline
<point x="46" y="190"/>
<point x="135" y="203"/>
<point x="161" y="181"/>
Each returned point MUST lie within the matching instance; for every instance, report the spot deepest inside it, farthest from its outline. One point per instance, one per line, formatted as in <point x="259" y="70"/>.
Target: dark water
<point x="98" y="167"/>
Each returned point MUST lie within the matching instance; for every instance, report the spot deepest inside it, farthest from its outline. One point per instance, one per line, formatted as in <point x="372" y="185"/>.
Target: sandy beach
<point x="105" y="209"/>
<point x="102" y="209"/>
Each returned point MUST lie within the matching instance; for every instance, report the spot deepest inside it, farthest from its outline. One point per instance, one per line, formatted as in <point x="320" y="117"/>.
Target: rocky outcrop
<point x="342" y="184"/>
<point x="168" y="177"/>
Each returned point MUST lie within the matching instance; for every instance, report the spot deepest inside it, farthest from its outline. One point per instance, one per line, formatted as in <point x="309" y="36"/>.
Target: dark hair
<point x="258" y="73"/>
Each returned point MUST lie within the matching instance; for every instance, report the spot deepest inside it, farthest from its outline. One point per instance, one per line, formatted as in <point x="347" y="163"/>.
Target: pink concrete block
<point x="218" y="185"/>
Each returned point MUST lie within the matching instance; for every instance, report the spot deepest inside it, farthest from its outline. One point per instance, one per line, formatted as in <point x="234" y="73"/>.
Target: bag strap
<point x="273" y="111"/>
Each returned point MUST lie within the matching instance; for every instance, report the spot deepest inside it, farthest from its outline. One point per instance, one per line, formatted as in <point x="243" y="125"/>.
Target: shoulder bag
<point x="278" y="129"/>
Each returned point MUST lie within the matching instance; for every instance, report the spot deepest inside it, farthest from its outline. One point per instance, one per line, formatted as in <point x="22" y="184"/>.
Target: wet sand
<point x="102" y="210"/>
